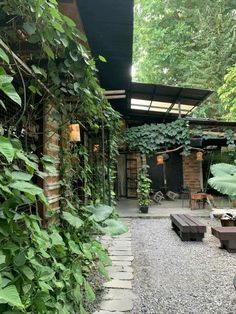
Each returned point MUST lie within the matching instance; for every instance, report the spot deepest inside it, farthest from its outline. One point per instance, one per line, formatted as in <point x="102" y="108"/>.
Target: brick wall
<point x="192" y="172"/>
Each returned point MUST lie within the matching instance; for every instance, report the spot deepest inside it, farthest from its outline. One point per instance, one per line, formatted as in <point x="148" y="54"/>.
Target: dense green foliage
<point x="151" y="138"/>
<point x="186" y="43"/>
<point x="45" y="265"/>
<point x="144" y="187"/>
<point x="227" y="92"/>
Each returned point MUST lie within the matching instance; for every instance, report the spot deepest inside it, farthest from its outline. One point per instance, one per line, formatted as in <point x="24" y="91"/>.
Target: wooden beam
<point x="114" y="92"/>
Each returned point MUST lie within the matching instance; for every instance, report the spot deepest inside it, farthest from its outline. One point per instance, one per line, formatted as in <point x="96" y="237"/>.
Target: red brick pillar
<point x="192" y="172"/>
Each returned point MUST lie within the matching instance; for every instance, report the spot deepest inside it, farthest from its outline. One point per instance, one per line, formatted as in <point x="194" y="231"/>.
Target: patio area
<point x="128" y="208"/>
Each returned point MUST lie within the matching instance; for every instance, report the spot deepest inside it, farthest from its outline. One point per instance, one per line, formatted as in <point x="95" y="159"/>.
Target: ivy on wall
<point x="46" y="270"/>
<point x="151" y="138"/>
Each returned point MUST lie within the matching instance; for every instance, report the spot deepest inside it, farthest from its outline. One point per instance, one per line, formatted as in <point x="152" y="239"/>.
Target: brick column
<point x="192" y="172"/>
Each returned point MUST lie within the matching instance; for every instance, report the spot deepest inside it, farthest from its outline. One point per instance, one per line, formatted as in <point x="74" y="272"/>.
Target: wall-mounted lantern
<point x="199" y="156"/>
<point x="74" y="132"/>
<point x="95" y="148"/>
<point x="160" y="160"/>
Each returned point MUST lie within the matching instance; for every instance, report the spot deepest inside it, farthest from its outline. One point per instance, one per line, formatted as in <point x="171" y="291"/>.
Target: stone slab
<point x="107" y="312"/>
<point x="116" y="283"/>
<point x="121" y="263"/>
<point x="121" y="258"/>
<point x="119" y="294"/>
<point x="121" y="275"/>
<point x="117" y="305"/>
<point x="119" y="268"/>
<point x="120" y="253"/>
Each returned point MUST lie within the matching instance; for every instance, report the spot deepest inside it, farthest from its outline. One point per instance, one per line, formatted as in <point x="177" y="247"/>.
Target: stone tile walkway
<point x="118" y="298"/>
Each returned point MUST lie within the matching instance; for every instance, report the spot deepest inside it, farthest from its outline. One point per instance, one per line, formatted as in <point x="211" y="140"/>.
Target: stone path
<point x="118" y="298"/>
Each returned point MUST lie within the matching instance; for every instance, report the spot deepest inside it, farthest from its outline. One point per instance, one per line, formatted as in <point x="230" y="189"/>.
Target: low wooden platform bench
<point x="187" y="227"/>
<point x="227" y="237"/>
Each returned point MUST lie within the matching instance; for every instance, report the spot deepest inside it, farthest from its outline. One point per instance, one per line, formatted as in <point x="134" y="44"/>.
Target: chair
<point x="172" y="195"/>
<point x="158" y="197"/>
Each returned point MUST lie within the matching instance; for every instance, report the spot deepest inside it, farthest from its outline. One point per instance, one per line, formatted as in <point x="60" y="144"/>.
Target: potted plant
<point x="144" y="188"/>
<point x="224" y="181"/>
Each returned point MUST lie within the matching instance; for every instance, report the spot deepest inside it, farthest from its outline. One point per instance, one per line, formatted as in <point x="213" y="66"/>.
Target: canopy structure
<point x="165" y="100"/>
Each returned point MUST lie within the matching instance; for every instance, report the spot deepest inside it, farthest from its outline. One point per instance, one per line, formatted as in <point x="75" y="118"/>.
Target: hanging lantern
<point x="96" y="148"/>
<point x="74" y="132"/>
<point x="160" y="160"/>
<point x="199" y="156"/>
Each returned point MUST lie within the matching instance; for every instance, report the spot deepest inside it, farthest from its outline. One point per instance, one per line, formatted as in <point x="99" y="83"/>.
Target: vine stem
<point x="178" y="148"/>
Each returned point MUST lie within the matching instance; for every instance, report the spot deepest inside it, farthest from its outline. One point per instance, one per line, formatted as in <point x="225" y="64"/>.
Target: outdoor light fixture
<point x="74" y="132"/>
<point x="96" y="148"/>
<point x="160" y="159"/>
<point x="199" y="156"/>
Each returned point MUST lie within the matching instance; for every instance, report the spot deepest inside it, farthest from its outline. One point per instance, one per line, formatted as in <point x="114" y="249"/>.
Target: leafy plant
<point x="224" y="179"/>
<point x="144" y="187"/>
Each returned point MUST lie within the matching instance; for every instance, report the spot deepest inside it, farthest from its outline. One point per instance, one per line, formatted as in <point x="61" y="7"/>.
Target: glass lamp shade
<point x="160" y="159"/>
<point x="74" y="132"/>
<point x="199" y="156"/>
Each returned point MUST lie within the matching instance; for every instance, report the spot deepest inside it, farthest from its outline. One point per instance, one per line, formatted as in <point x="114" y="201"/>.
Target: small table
<point x="198" y="198"/>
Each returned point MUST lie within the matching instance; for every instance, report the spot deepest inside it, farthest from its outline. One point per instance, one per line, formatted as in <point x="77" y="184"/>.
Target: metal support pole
<point x="179" y="107"/>
<point x="103" y="164"/>
<point x="108" y="168"/>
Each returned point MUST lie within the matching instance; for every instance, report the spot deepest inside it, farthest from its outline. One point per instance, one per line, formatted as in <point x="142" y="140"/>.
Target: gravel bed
<point x="175" y="277"/>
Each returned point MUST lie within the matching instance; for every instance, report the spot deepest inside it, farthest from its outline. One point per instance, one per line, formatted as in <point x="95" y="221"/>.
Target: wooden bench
<point x="227" y="237"/>
<point x="187" y="227"/>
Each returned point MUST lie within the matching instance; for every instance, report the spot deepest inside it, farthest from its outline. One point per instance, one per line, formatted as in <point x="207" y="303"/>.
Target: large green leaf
<point x="11" y="296"/>
<point x="6" y="148"/>
<point x="222" y="169"/>
<point x="10" y="91"/>
<point x="89" y="291"/>
<point x="72" y="219"/>
<point x="225" y="184"/>
<point x="26" y="187"/>
<point x="21" y="176"/>
<point x="114" y="227"/>
<point x="4" y="56"/>
<point x="100" y="212"/>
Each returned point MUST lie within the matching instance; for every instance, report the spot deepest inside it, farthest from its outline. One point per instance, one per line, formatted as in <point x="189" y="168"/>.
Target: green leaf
<point x="27" y="271"/>
<point x="72" y="220"/>
<point x="3" y="105"/>
<point x="2" y="258"/>
<point x="56" y="238"/>
<point x="30" y="28"/>
<point x="4" y="56"/>
<point x="11" y="296"/>
<point x="101" y="58"/>
<point x="6" y="148"/>
<point x="21" y="176"/>
<point x="114" y="227"/>
<point x="5" y="79"/>
<point x="40" y="71"/>
<point x="100" y="212"/>
<point x="26" y="187"/>
<point x="19" y="260"/>
<point x="48" y="51"/>
<point x="10" y="91"/>
<point x="89" y="291"/>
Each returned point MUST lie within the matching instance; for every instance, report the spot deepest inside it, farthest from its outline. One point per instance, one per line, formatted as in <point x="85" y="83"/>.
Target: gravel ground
<point x="175" y="277"/>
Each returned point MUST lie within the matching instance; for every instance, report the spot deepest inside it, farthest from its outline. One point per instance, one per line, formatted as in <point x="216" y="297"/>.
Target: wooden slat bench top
<point x="227" y="237"/>
<point x="224" y="233"/>
<point x="188" y="223"/>
<point x="188" y="227"/>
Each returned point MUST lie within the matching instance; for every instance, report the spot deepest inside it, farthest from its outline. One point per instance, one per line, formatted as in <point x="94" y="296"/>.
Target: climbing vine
<point x="45" y="265"/>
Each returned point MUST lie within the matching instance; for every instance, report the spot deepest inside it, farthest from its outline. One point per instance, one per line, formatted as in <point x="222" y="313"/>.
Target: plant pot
<point x="228" y="222"/>
<point x="144" y="209"/>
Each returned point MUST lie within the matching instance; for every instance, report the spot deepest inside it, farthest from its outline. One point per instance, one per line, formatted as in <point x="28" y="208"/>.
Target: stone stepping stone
<point x="121" y="263"/>
<point x="121" y="258"/>
<point x="117" y="305"/>
<point x="121" y="275"/>
<point x="116" y="283"/>
<point x="107" y="312"/>
<point x="120" y="253"/>
<point x="119" y="268"/>
<point x="119" y="294"/>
